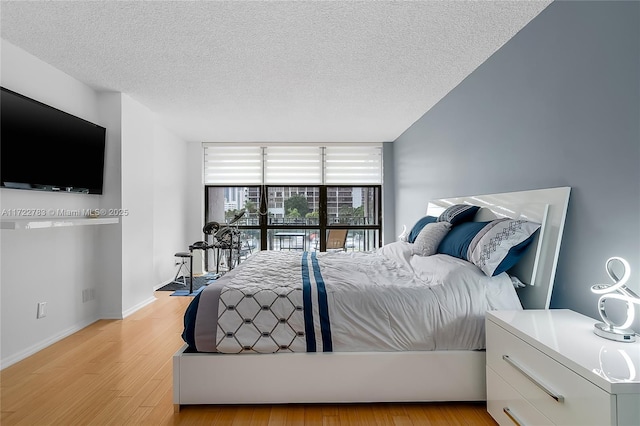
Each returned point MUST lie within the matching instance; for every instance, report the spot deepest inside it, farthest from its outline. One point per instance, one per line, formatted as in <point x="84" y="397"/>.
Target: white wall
<point x="109" y="278"/>
<point x="45" y="265"/>
<point x="138" y="131"/>
<point x="170" y="206"/>
<point x="195" y="192"/>
<point x="145" y="172"/>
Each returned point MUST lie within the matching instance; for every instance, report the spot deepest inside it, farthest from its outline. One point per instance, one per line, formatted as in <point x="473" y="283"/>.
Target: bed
<point x="404" y="323"/>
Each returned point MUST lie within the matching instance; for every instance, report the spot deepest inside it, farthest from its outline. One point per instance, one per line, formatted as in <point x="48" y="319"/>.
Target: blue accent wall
<point x="557" y="105"/>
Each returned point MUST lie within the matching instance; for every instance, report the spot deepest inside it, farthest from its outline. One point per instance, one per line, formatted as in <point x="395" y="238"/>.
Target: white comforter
<point x="389" y="300"/>
<point x="425" y="303"/>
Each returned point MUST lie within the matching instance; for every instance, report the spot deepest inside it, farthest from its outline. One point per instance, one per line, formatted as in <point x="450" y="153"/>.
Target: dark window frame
<point x="264" y="226"/>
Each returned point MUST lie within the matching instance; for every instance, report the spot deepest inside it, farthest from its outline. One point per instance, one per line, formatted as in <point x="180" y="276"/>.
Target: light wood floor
<point x="120" y="372"/>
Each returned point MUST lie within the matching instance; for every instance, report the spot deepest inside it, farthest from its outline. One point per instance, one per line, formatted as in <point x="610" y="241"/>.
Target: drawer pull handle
<point x="512" y="416"/>
<point x="542" y="386"/>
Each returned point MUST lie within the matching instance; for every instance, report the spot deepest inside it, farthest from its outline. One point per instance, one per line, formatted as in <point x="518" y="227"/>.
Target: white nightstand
<point x="548" y="367"/>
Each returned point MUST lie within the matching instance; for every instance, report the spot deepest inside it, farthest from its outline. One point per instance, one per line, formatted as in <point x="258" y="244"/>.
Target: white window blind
<point x="292" y="164"/>
<point x="232" y="164"/>
<point x="353" y="164"/>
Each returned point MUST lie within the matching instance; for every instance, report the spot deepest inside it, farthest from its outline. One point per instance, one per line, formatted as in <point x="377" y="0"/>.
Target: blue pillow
<point x="456" y="242"/>
<point x="515" y="254"/>
<point x="493" y="246"/>
<point x="458" y="213"/>
<point x="502" y="244"/>
<point x="418" y="227"/>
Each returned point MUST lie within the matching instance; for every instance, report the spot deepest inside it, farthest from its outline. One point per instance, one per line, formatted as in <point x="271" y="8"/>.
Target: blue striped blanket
<point x="275" y="302"/>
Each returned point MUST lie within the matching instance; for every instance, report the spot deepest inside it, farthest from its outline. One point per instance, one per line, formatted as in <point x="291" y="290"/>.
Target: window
<point x="293" y="194"/>
<point x="299" y="217"/>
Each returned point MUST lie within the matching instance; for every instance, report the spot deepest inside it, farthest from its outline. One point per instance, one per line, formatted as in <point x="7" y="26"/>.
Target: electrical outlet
<point x="88" y="294"/>
<point x="42" y="310"/>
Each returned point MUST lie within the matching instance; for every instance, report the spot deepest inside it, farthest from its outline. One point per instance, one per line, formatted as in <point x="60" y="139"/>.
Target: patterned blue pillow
<point x="501" y="244"/>
<point x="493" y="246"/>
<point x="418" y="227"/>
<point x="458" y="213"/>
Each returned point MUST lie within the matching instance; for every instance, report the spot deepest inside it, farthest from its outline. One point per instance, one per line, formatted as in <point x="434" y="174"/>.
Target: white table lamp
<point x="619" y="291"/>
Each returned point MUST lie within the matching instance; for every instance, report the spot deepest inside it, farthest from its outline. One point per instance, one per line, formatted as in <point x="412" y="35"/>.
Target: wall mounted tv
<point x="45" y="149"/>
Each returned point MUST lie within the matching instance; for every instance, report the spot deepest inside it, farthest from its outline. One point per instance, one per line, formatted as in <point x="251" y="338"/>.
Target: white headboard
<point x="545" y="206"/>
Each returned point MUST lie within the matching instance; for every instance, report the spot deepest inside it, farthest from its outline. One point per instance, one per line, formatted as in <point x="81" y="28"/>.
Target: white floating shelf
<point x="54" y="222"/>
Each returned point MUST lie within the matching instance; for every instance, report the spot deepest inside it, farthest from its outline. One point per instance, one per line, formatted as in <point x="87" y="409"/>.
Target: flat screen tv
<point x="45" y="149"/>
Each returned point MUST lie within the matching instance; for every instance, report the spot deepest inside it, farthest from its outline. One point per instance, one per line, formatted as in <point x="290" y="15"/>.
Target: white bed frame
<point x="349" y="377"/>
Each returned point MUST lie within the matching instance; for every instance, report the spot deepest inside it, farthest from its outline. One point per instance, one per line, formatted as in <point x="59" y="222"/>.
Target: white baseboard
<point x="10" y="360"/>
<point x="138" y="306"/>
<point x="159" y="286"/>
<point x="117" y="315"/>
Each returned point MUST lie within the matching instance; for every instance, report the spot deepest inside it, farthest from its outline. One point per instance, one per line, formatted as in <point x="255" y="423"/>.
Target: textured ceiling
<point x="304" y="71"/>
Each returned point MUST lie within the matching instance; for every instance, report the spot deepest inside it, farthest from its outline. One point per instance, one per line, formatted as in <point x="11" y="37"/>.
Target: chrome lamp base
<point x="613" y="333"/>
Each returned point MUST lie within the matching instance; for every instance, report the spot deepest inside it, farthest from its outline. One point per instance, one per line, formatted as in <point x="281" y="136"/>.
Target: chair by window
<point x="336" y="239"/>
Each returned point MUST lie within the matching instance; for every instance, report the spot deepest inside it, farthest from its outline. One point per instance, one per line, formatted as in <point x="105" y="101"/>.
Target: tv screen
<point x="43" y="148"/>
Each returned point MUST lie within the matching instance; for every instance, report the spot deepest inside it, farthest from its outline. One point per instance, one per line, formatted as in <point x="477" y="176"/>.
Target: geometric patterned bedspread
<point x="267" y="316"/>
<point x="279" y="301"/>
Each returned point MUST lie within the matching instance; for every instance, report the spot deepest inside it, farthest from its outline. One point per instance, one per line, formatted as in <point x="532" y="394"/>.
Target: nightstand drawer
<point x="560" y="394"/>
<point x="508" y="407"/>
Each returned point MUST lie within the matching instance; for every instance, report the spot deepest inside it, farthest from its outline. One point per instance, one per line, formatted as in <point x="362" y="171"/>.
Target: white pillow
<point x="400" y="252"/>
<point x="428" y="240"/>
